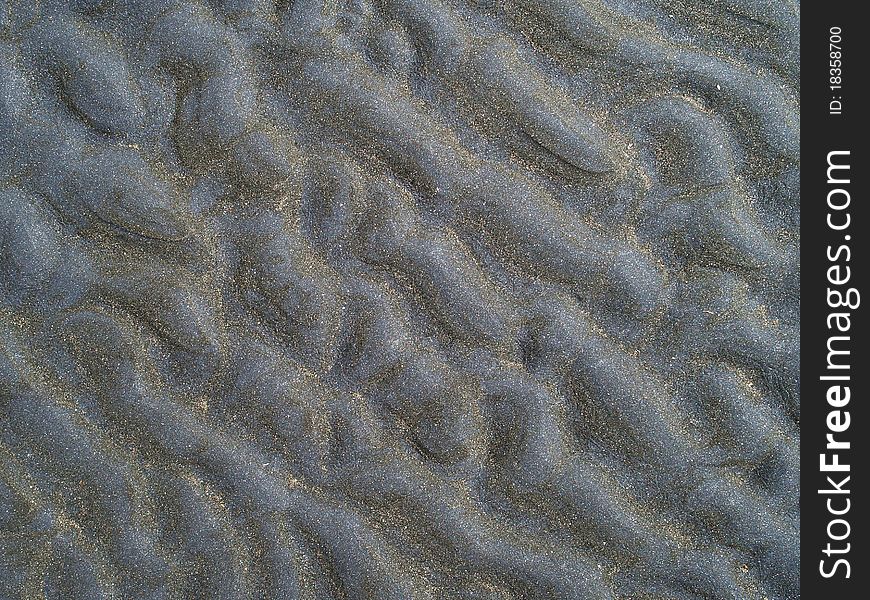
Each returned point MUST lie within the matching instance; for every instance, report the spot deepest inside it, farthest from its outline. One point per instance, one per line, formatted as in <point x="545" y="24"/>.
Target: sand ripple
<point x="399" y="299"/>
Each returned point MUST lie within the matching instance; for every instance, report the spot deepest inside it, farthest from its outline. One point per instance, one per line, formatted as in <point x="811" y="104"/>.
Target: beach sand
<point x="399" y="299"/>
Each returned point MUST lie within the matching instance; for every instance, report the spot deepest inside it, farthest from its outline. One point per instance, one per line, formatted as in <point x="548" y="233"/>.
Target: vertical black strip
<point x="834" y="363"/>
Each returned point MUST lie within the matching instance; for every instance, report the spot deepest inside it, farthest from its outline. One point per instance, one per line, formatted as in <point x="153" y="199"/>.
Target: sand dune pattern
<point x="399" y="299"/>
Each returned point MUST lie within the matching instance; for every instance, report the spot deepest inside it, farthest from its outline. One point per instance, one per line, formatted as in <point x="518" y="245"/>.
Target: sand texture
<point x="399" y="299"/>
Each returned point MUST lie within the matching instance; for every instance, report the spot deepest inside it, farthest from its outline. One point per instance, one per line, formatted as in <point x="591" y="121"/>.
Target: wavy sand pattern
<point x="399" y="299"/>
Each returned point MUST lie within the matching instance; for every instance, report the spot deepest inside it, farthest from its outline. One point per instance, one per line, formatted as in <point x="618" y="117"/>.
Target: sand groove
<point x="399" y="299"/>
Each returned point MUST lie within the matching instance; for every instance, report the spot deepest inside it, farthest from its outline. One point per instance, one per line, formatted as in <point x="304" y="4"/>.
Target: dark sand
<point x="399" y="299"/>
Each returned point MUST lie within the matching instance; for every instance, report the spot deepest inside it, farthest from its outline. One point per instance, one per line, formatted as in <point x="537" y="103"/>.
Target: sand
<point x="399" y="299"/>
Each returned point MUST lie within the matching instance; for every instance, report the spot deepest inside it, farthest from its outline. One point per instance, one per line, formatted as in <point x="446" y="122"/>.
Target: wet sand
<point x="399" y="299"/>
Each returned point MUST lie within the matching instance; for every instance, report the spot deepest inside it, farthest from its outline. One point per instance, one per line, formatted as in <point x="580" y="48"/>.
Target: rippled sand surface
<point x="399" y="299"/>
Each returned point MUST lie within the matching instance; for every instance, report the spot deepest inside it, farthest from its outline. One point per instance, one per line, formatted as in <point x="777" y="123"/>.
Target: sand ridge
<point x="399" y="299"/>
